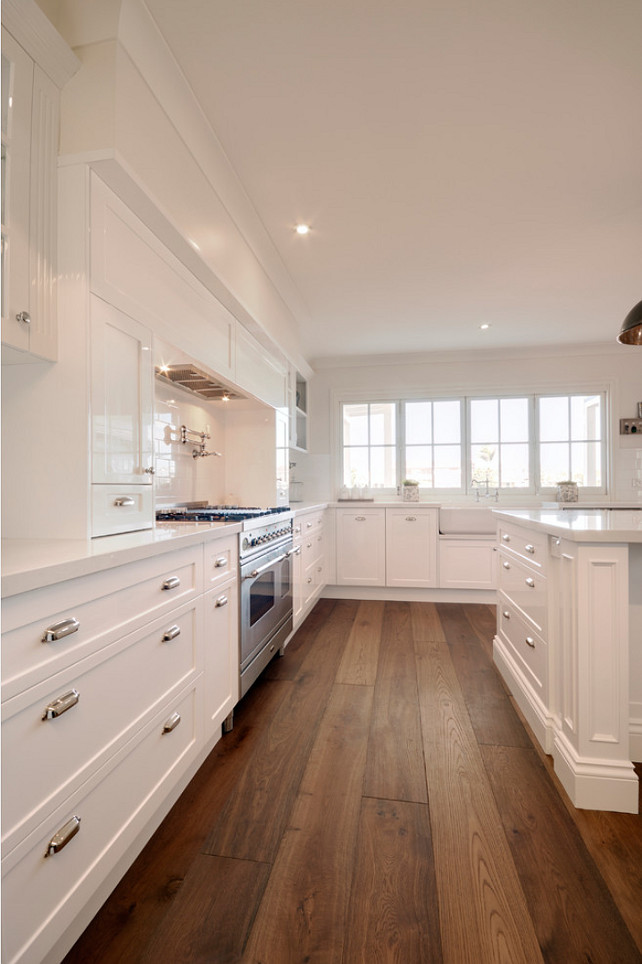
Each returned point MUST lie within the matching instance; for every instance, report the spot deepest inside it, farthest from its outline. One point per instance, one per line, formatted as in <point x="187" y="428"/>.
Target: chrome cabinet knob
<point x="23" y="317"/>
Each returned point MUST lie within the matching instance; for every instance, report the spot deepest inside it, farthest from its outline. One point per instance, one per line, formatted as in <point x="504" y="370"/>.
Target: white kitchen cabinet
<point x="361" y="547"/>
<point x="309" y="562"/>
<point x="150" y="650"/>
<point x="522" y="621"/>
<point x="121" y="417"/>
<point x="298" y="410"/>
<point x="220" y="653"/>
<point x="467" y="563"/>
<point x="258" y="372"/>
<point x="411" y="547"/>
<point x="30" y="112"/>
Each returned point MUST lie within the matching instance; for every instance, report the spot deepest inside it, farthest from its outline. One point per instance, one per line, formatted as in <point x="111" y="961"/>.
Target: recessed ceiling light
<point x="302" y="229"/>
<point x="485" y="326"/>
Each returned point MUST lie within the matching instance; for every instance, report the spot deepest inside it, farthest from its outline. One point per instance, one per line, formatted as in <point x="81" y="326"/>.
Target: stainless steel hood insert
<point x="193" y="380"/>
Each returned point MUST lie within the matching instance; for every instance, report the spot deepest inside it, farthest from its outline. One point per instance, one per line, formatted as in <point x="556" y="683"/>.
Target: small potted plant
<point x="409" y="490"/>
<point x="567" y="491"/>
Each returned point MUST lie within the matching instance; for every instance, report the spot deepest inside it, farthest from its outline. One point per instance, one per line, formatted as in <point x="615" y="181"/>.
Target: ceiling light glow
<point x="485" y="326"/>
<point x="302" y="229"/>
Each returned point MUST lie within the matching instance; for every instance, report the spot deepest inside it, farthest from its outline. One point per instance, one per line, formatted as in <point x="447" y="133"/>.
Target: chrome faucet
<point x="487" y="493"/>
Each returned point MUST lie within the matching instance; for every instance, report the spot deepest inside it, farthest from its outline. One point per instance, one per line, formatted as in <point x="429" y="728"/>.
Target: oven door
<point x="266" y="599"/>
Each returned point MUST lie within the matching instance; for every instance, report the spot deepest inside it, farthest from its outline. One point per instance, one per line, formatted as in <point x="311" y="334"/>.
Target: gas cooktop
<point x="216" y="513"/>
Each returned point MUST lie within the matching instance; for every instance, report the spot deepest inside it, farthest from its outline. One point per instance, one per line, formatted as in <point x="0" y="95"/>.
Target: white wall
<point x="618" y="370"/>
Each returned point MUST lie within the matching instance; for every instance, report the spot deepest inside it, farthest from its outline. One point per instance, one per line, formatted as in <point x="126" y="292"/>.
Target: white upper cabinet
<point x="258" y="372"/>
<point x="30" y="111"/>
<point x="121" y="397"/>
<point x="132" y="269"/>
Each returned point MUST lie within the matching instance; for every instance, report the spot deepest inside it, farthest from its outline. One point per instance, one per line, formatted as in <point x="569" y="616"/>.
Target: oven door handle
<point x="268" y="565"/>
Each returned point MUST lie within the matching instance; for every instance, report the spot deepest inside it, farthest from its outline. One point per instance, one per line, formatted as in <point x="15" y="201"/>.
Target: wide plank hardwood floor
<point x="378" y="800"/>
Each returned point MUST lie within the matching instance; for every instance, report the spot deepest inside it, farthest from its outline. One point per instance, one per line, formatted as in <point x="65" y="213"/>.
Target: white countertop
<point x="581" y="524"/>
<point x="31" y="563"/>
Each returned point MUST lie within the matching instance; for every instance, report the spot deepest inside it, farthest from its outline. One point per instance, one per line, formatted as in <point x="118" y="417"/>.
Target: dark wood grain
<point x="467" y="629"/>
<point x="303" y="913"/>
<point x="484" y="915"/>
<point x="268" y="787"/>
<point x="573" y="913"/>
<point x="383" y="808"/>
<point x="208" y="922"/>
<point x="395" y="764"/>
<point x="361" y="655"/>
<point x="394" y="911"/>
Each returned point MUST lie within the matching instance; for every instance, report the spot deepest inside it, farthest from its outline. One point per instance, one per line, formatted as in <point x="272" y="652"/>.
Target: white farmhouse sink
<point x="469" y="519"/>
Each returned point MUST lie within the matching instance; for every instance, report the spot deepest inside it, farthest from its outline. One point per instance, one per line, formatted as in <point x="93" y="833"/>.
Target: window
<point x="369" y="444"/>
<point x="432" y="453"/>
<point x="570" y="440"/>
<point x="521" y="443"/>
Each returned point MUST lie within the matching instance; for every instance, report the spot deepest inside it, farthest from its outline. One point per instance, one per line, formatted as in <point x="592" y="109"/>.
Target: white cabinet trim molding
<point x="34" y="31"/>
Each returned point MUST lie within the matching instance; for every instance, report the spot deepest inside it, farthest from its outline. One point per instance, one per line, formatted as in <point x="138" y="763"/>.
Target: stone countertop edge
<point x="580" y="525"/>
<point x="34" y="563"/>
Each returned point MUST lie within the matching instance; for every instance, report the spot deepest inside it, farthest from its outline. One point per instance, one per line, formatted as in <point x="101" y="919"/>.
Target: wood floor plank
<point x="572" y="910"/>
<point x="425" y="622"/>
<point x="270" y="785"/>
<point x="395" y="762"/>
<point x="302" y="916"/>
<point x="297" y="649"/>
<point x="484" y="915"/>
<point x="393" y="916"/>
<point x="359" y="663"/>
<point x="210" y="919"/>
<point x="138" y="904"/>
<point x="489" y="706"/>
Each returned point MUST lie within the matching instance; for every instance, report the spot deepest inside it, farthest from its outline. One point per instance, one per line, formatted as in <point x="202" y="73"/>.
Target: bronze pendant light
<point x="631" y="331"/>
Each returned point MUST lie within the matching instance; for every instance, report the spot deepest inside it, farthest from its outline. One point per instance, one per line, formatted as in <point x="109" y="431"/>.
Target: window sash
<point x="402" y="448"/>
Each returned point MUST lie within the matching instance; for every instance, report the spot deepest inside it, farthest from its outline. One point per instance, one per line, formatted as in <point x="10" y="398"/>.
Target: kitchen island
<point x="569" y="643"/>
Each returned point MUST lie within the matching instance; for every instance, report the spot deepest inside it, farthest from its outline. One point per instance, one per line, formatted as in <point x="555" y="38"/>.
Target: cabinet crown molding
<point x="26" y="22"/>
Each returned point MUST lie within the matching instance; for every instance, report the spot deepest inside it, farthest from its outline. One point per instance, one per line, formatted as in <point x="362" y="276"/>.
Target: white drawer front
<point x="309" y="521"/>
<point x="106" y="605"/>
<point x="221" y="560"/>
<point x="116" y="692"/>
<point x="532" y="546"/>
<point x="526" y="587"/>
<point x="41" y="895"/>
<point x="121" y="508"/>
<point x="221" y="654"/>
<point x="525" y="645"/>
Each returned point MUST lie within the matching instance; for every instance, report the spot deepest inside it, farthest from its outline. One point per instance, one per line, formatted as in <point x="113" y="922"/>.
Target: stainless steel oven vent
<point x="193" y="380"/>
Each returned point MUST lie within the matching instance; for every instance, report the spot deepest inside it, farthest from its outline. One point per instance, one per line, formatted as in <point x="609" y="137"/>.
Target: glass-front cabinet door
<point x="17" y="91"/>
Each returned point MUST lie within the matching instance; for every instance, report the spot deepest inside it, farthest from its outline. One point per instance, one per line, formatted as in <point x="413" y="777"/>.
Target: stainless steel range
<point x="265" y="561"/>
<point x="265" y="577"/>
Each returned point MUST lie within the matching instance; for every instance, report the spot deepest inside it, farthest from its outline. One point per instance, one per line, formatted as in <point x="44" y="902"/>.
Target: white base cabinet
<point x="115" y="686"/>
<point x="309" y="562"/>
<point x="411" y="547"/>
<point x="361" y="547"/>
<point x="467" y="564"/>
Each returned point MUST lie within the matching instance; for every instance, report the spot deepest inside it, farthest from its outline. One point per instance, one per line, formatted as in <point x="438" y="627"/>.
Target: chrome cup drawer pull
<point x="360" y="518"/>
<point x="63" y="836"/>
<point x="171" y="723"/>
<point x="171" y="633"/>
<point x="220" y="562"/>
<point x="124" y="500"/>
<point x="506" y="614"/>
<point x="221" y="601"/>
<point x="530" y="642"/>
<point x="411" y="518"/>
<point x="530" y="549"/>
<point x="59" y="630"/>
<point x="506" y="537"/>
<point x="530" y="583"/>
<point x="60" y="705"/>
<point x="172" y="583"/>
<point x="506" y="565"/>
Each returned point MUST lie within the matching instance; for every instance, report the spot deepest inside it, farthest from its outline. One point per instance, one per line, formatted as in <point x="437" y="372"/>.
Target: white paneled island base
<point x="574" y="661"/>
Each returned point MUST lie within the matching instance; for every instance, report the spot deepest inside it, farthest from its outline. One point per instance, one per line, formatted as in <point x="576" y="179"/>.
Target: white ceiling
<point x="459" y="161"/>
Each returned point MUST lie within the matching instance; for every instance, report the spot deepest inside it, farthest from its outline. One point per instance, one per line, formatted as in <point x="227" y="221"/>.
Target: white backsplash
<point x="180" y="477"/>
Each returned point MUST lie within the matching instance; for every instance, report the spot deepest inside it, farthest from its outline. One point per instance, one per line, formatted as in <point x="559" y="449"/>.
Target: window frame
<point x="534" y="490"/>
